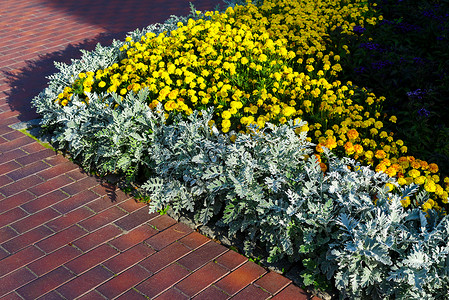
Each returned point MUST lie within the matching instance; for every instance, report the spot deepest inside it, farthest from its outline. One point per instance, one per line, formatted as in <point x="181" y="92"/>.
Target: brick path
<point x="67" y="235"/>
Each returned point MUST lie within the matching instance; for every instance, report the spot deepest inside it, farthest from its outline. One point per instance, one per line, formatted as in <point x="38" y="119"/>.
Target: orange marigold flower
<point x="352" y="134"/>
<point x="433" y="168"/>
<point x="349" y="148"/>
<point x="380" y="154"/>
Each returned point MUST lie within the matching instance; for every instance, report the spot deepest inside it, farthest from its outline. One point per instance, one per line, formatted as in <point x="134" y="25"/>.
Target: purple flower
<point x="378" y="65"/>
<point x="358" y="29"/>
<point x="423" y="113"/>
<point x="360" y="70"/>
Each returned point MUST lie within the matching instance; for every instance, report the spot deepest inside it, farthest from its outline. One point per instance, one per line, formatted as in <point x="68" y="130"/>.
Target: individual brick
<point x="212" y="292"/>
<point x="90" y="259"/>
<point x="100" y="204"/>
<point x="14" y="143"/>
<point x="272" y="282"/>
<point x="6" y="233"/>
<point x="5" y="180"/>
<point x="20" y="259"/>
<point x="135" y="219"/>
<point x="194" y="240"/>
<point x="77" y="174"/>
<point x="69" y="219"/>
<point x="28" y="170"/>
<point x="172" y="294"/>
<point x="128" y="258"/>
<point x="16" y="200"/>
<point x="168" y="236"/>
<point x="30" y="158"/>
<point x="50" y="185"/>
<point x="12" y="215"/>
<point x="35" y="220"/>
<point x="240" y="278"/>
<point x="201" y="279"/>
<point x="231" y="260"/>
<point x="292" y="292"/>
<point x="162" y="222"/>
<point x="26" y="239"/>
<point x="74" y="202"/>
<point x="80" y="185"/>
<point x="57" y="160"/>
<point x="13" y="136"/>
<point x="131" y="205"/>
<point x="12" y="155"/>
<point x="95" y="238"/>
<point x="8" y="166"/>
<point x="84" y="283"/>
<point x="162" y="280"/>
<point x="123" y="282"/>
<point x="92" y="295"/>
<point x="20" y="185"/>
<point x="202" y="255"/>
<point x="61" y="238"/>
<point x="11" y="296"/>
<point x="133" y="237"/>
<point x="57" y="170"/>
<point x="165" y="257"/>
<point x="252" y="293"/>
<point x="44" y="201"/>
<point x="15" y="280"/>
<point x="53" y="260"/>
<point x="32" y="148"/>
<point x="102" y="218"/>
<point x="132" y="295"/>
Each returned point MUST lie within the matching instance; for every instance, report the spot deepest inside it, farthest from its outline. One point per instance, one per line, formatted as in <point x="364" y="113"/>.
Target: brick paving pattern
<point x="67" y="235"/>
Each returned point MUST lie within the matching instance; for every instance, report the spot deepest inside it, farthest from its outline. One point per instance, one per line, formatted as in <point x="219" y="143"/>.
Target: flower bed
<point x="240" y="115"/>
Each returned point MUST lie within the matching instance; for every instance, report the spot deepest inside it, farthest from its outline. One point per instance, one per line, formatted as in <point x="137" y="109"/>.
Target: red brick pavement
<point x="66" y="235"/>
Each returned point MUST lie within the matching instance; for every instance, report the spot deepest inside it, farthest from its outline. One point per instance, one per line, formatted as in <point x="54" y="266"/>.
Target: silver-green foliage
<point x="269" y="191"/>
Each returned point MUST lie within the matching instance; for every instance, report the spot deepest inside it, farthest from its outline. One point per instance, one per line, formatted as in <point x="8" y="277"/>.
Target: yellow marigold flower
<point x="405" y="201"/>
<point x="430" y="186"/>
<point x="170" y="105"/>
<point x="263" y="58"/>
<point x="402" y="181"/>
<point x="288" y="111"/>
<point x="393" y="119"/>
<point x="389" y="186"/>
<point x="310" y="68"/>
<point x="244" y="60"/>
<point x="426" y="206"/>
<point x="414" y="173"/>
<point x="226" y="114"/>
<point x="369" y="154"/>
<point x="64" y="102"/>
<point x="420" y="180"/>
<point x="378" y="124"/>
<point x="226" y="123"/>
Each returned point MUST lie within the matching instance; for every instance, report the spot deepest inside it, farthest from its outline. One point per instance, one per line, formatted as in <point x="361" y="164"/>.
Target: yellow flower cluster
<point x="266" y="64"/>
